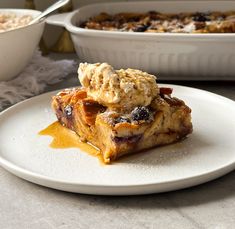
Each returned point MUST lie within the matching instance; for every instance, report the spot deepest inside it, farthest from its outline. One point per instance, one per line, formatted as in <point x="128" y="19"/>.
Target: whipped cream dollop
<point x="126" y="88"/>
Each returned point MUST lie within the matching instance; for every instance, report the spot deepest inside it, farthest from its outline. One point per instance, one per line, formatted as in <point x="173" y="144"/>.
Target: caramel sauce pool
<point x="65" y="138"/>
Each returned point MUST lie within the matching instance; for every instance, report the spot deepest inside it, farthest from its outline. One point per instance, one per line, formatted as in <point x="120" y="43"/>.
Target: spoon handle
<point x="50" y="9"/>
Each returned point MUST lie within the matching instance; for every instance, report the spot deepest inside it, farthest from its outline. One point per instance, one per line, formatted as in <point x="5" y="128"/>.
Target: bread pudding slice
<point x="117" y="124"/>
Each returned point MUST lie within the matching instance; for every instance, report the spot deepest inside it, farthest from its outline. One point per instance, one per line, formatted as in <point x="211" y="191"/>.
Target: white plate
<point x="205" y="155"/>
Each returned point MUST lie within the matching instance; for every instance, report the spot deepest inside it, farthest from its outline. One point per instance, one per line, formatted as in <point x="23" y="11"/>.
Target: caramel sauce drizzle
<point x="65" y="138"/>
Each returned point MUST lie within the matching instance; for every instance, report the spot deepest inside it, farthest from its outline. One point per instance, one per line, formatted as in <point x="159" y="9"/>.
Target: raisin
<point x="199" y="25"/>
<point x="201" y="17"/>
<point x="140" y="113"/>
<point x="68" y="110"/>
<point x="128" y="139"/>
<point x="140" y="28"/>
<point x="154" y="15"/>
<point x="153" y="12"/>
<point x="166" y="90"/>
<point x="122" y="119"/>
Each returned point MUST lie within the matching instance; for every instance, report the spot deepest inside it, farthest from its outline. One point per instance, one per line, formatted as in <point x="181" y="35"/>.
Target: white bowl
<point x="17" y="46"/>
<point x="173" y="56"/>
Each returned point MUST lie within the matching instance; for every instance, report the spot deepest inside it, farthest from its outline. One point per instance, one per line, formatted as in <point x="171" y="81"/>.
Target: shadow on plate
<point x="169" y="154"/>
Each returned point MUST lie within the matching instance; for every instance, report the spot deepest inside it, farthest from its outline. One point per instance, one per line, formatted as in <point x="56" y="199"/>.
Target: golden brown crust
<point x="155" y="22"/>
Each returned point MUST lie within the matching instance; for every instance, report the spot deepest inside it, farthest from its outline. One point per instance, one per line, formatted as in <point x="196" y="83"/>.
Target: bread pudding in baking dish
<point x="121" y="111"/>
<point x="156" y="22"/>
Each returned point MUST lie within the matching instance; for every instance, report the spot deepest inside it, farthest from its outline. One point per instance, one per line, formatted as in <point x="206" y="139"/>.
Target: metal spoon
<point x="50" y="9"/>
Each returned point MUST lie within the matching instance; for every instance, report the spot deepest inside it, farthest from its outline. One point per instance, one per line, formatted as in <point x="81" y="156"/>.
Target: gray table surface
<point x="210" y="205"/>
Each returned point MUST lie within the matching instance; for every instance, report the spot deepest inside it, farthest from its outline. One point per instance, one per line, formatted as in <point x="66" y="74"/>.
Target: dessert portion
<point x="156" y="22"/>
<point x="121" y="111"/>
<point x="10" y="21"/>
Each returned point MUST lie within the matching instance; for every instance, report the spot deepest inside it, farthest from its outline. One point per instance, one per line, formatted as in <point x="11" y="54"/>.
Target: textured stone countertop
<point x="210" y="205"/>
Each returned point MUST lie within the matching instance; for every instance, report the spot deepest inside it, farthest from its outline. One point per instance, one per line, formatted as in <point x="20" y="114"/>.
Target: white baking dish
<point x="172" y="56"/>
